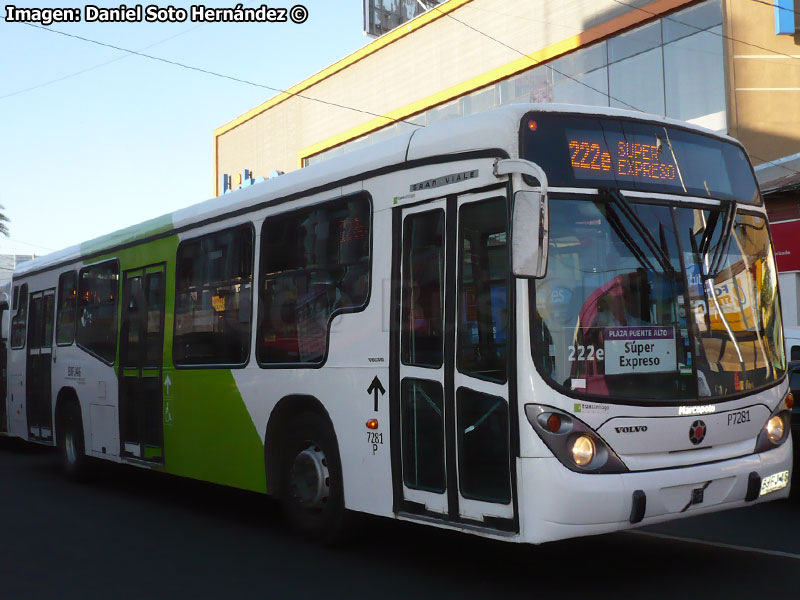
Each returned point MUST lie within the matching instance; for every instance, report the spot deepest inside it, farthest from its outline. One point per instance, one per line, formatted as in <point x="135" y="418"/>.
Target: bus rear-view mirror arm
<point x="530" y="221"/>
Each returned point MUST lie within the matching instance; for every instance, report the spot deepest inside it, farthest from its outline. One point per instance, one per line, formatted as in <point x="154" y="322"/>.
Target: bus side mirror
<point x="530" y="239"/>
<point x="5" y="324"/>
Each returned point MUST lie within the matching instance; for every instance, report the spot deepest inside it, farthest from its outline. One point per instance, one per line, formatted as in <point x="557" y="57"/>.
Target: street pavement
<point x="138" y="534"/>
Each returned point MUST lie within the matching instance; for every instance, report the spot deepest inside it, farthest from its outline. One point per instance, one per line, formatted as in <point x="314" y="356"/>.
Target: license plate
<point x="778" y="481"/>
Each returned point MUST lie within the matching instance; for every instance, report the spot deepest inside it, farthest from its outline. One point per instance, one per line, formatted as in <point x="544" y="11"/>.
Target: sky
<point x="93" y="139"/>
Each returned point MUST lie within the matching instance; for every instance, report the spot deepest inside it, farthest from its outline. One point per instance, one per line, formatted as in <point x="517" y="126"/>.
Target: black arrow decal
<point x="376" y="387"/>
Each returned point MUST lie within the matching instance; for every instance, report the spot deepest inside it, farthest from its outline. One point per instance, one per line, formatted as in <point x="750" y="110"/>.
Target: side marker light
<point x="372" y="424"/>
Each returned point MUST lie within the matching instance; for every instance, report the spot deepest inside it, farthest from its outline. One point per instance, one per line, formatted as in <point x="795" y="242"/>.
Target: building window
<point x="213" y="299"/>
<point x="315" y="264"/>
<point x="636" y="74"/>
<point x="98" y="287"/>
<point x="67" y="308"/>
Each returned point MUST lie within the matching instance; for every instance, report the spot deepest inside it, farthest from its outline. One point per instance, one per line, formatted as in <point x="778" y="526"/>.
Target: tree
<point x="3" y="220"/>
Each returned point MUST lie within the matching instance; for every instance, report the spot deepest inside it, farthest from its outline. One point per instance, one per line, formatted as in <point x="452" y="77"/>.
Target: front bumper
<point x="557" y="503"/>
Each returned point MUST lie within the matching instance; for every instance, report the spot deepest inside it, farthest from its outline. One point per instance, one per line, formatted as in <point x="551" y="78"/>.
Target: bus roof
<point x="497" y="128"/>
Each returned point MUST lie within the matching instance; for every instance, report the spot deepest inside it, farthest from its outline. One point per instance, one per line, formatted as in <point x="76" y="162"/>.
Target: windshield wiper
<point x="721" y="251"/>
<point x="625" y="208"/>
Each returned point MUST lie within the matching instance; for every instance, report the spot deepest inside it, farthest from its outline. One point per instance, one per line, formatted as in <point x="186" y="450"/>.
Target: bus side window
<point x="98" y="288"/>
<point x="794" y="353"/>
<point x="67" y="308"/>
<point x="213" y="296"/>
<point x="482" y="340"/>
<point x="315" y="263"/>
<point x="423" y="290"/>
<point x="20" y="321"/>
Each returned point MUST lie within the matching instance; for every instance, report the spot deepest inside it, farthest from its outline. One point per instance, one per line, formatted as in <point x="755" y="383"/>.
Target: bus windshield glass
<point x="598" y="152"/>
<point x="646" y="302"/>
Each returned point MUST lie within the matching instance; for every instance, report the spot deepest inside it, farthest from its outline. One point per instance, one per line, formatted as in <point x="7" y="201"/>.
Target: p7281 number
<point x="738" y="417"/>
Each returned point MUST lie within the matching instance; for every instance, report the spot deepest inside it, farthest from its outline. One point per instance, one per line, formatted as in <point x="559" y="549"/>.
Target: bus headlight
<point x="775" y="429"/>
<point x="583" y="450"/>
<point x="576" y="445"/>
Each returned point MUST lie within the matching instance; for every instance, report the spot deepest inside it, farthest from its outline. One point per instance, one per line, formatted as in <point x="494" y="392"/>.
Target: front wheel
<point x="312" y="493"/>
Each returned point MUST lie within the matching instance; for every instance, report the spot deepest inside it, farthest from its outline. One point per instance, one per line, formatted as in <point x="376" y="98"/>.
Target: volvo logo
<point x="632" y="429"/>
<point x="697" y="432"/>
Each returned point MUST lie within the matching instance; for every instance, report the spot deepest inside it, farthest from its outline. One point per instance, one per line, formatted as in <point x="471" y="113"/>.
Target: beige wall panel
<point x="436" y="57"/>
<point x="766" y="117"/>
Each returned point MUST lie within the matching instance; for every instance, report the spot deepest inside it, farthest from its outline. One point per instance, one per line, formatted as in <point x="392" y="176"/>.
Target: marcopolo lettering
<point x="697" y="410"/>
<point x="631" y="429"/>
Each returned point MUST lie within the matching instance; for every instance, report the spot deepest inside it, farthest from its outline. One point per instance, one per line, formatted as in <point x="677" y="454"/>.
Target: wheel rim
<point x="309" y="478"/>
<point x="69" y="446"/>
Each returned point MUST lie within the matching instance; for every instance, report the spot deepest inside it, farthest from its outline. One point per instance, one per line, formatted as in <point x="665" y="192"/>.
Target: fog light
<point x="775" y="429"/>
<point x="583" y="450"/>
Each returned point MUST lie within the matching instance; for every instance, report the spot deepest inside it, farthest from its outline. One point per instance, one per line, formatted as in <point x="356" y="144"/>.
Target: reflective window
<point x="634" y="42"/>
<point x="581" y="77"/>
<point x="20" y="320"/>
<point x="482" y="341"/>
<point x="66" y="320"/>
<point x="652" y="302"/>
<point x="733" y="294"/>
<point x="638" y="81"/>
<point x="98" y="286"/>
<point x="423" y="289"/>
<point x="130" y="339"/>
<point x="483" y="463"/>
<point x="690" y="21"/>
<point x="213" y="299"/>
<point x="154" y="299"/>
<point x="694" y="77"/>
<point x="315" y="263"/>
<point x="422" y="414"/>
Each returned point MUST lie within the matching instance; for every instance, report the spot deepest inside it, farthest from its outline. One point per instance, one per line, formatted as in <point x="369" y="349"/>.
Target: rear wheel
<point x="71" y="443"/>
<point x="312" y="493"/>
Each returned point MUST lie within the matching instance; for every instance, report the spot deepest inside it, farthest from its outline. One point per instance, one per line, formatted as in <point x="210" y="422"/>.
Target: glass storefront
<point x="670" y="67"/>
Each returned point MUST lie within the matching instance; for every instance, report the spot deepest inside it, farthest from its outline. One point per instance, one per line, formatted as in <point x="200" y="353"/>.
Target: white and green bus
<point x="535" y="323"/>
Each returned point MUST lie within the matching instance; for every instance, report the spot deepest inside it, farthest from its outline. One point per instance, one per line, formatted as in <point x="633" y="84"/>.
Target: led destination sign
<point x="631" y="159"/>
<point x="608" y="151"/>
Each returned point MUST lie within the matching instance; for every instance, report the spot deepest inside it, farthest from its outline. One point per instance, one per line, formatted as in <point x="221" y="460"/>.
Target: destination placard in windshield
<point x="590" y="151"/>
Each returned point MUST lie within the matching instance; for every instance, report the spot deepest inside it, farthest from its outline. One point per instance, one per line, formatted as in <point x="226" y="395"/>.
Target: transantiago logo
<point x="632" y="429"/>
<point x="697" y="432"/>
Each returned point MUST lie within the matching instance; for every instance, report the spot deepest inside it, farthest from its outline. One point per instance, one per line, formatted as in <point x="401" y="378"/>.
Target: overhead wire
<point x="97" y="66"/>
<point x="220" y="75"/>
<point x="393" y="120"/>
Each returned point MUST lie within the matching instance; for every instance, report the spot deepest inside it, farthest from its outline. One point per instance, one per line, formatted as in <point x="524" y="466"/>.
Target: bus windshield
<point x="646" y="302"/>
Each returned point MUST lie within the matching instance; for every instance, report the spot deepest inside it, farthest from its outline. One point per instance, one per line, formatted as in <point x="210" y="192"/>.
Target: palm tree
<point x="3" y="220"/>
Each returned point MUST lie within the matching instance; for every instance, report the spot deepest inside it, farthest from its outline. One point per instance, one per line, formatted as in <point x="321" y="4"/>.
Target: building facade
<point x="732" y="66"/>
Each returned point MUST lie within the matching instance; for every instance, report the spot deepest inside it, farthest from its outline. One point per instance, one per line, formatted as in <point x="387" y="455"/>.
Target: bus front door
<point x="140" y="351"/>
<point x="453" y="367"/>
<point x="38" y="365"/>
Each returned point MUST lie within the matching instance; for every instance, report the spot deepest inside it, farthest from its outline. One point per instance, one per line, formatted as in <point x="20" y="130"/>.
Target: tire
<point x="71" y="444"/>
<point x="312" y="492"/>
